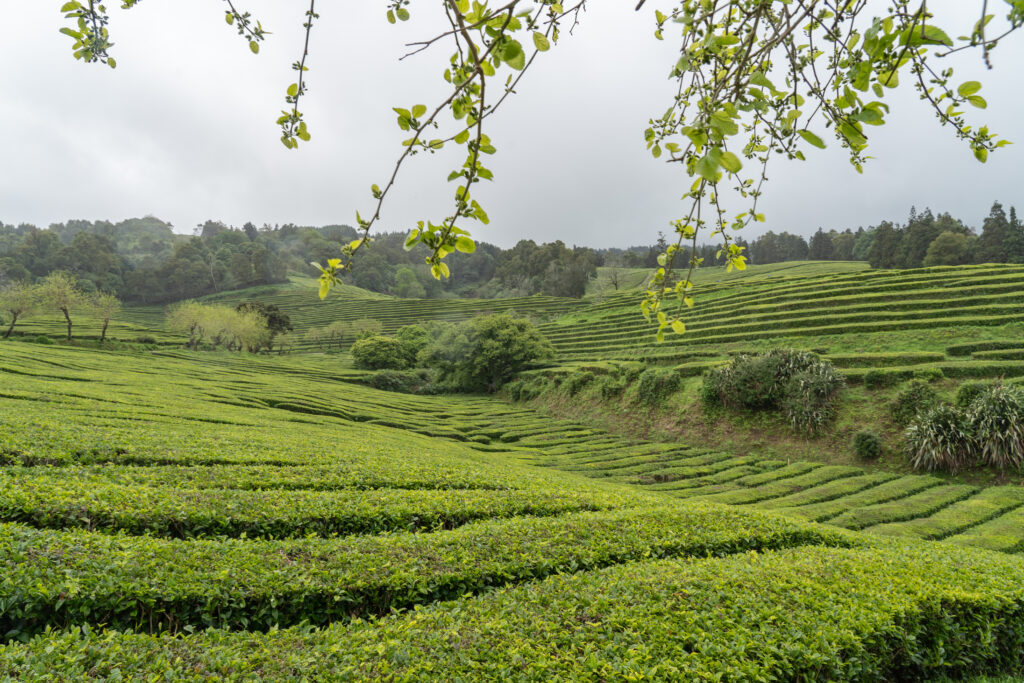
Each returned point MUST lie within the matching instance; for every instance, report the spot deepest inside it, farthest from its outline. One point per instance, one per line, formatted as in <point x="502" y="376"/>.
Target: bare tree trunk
<point x="11" y="328"/>
<point x="68" y="318"/>
<point x="103" y="334"/>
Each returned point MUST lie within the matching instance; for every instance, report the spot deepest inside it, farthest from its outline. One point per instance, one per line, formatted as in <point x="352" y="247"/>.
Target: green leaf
<point x="540" y="41"/>
<point x="514" y="56"/>
<point x="402" y="13"/>
<point x="418" y="110"/>
<point x="293" y="90"/>
<point x="811" y="138"/>
<point x="968" y="88"/>
<point x="391" y="16"/>
<point x="730" y="162"/>
<point x="254" y="46"/>
<point x="71" y="6"/>
<point x="678" y="327"/>
<point x="707" y="168"/>
<point x="228" y="17"/>
<point x="978" y="101"/>
<point x="465" y="245"/>
<point x="325" y="286"/>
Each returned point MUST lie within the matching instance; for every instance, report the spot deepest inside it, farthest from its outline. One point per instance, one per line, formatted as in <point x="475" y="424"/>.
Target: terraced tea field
<point x="180" y="516"/>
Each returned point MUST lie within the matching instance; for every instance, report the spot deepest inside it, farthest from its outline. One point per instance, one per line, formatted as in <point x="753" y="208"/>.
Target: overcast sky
<point x="184" y="129"/>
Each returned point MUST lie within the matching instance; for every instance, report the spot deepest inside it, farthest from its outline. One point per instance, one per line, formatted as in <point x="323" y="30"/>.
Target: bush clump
<point x="802" y="385"/>
<point x="917" y="397"/>
<point x="942" y="438"/>
<point x="377" y="352"/>
<point x="577" y="381"/>
<point x="986" y="427"/>
<point x="997" y="416"/>
<point x="879" y="379"/>
<point x="968" y="392"/>
<point x="655" y="385"/>
<point x="42" y="339"/>
<point x="867" y="445"/>
<point x="486" y="352"/>
<point x="403" y="381"/>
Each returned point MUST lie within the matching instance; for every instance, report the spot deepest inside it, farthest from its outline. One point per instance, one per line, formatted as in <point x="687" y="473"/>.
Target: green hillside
<point x="234" y="516"/>
<point x="183" y="515"/>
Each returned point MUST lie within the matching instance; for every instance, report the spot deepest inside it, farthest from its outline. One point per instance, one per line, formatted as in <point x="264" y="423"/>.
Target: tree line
<point x="141" y="260"/>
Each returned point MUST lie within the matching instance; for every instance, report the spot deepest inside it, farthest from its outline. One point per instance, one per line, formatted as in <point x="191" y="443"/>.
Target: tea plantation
<point x="176" y="515"/>
<point x="179" y="516"/>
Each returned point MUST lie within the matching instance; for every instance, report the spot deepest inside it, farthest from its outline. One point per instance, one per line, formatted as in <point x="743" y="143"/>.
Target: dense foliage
<point x="801" y="385"/>
<point x="484" y="353"/>
<point x="989" y="430"/>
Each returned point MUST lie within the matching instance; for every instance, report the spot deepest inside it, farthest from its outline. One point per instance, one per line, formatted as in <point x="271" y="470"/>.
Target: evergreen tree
<point x="886" y="248"/>
<point x="995" y="241"/>
<point x="820" y="247"/>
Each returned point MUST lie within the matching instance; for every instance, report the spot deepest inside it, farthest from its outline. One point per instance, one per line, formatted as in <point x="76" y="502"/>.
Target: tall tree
<point x="60" y="291"/>
<point x="996" y="238"/>
<point x="886" y="247"/>
<point x="820" y="246"/>
<point x="19" y="300"/>
<point x="105" y="306"/>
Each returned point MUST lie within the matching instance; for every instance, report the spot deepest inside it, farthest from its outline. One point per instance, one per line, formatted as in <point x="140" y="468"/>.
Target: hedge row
<point x="922" y="504"/>
<point x="883" y="493"/>
<point x="832" y="490"/>
<point x="58" y="579"/>
<point x="893" y="612"/>
<point x="989" y="504"/>
<point x="192" y="513"/>
<point x="1005" y="533"/>
<point x="782" y="487"/>
<point x="799" y="311"/>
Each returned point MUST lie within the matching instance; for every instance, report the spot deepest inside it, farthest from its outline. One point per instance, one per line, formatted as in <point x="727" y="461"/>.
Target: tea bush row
<point x="897" y="611"/>
<point x="191" y="513"/>
<point x="58" y="579"/>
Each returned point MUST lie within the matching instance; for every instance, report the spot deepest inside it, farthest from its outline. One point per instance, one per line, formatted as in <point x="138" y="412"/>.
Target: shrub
<point x="404" y="381"/>
<point x="484" y="353"/>
<point x="997" y="416"/>
<point x="810" y="400"/>
<point x="377" y="352"/>
<point x="968" y="392"/>
<point x="941" y="439"/>
<point x="805" y="387"/>
<point x="577" y="380"/>
<point x="929" y="374"/>
<point x="879" y="379"/>
<point x="611" y="386"/>
<point x="414" y="339"/>
<point x="915" y="398"/>
<point x="514" y="389"/>
<point x="655" y="385"/>
<point x="41" y="339"/>
<point x="867" y="445"/>
<point x="144" y="339"/>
